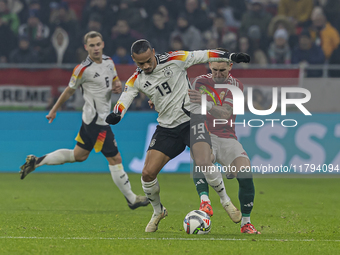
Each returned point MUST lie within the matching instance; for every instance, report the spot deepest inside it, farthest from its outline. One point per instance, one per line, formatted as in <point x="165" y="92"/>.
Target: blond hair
<point x="92" y="34"/>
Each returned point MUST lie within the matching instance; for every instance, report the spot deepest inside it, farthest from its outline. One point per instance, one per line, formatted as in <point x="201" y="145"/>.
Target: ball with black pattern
<point x="197" y="223"/>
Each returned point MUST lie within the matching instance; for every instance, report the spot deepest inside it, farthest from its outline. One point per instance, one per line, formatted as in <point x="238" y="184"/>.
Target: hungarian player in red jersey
<point x="226" y="149"/>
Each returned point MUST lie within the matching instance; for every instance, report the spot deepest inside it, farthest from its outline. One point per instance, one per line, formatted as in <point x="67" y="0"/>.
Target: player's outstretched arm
<point x="67" y="93"/>
<point x="190" y="58"/>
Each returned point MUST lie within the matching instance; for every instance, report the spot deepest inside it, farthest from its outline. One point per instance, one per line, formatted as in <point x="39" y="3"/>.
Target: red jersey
<point x="206" y="85"/>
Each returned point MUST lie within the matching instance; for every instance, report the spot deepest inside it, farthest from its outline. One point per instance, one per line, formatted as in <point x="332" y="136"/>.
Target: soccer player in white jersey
<point x="163" y="79"/>
<point x="97" y="78"/>
<point x="226" y="149"/>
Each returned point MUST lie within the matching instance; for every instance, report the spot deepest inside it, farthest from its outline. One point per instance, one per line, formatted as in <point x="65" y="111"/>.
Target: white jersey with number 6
<point x="95" y="81"/>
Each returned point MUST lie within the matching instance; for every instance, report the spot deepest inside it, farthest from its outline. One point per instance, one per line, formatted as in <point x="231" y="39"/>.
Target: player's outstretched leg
<point x="121" y="179"/>
<point x="202" y="157"/>
<point x="154" y="162"/>
<point x="54" y="158"/>
<point x="246" y="195"/>
<point x="215" y="180"/>
<point x="151" y="190"/>
<point x="202" y="188"/>
<point x="29" y="166"/>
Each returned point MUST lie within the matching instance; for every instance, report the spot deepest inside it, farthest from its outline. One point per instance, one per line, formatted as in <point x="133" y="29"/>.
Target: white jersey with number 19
<point x="167" y="86"/>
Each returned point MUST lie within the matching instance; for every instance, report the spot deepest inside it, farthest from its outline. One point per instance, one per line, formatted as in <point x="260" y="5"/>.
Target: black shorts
<point x="98" y="137"/>
<point x="198" y="129"/>
<point x="172" y="141"/>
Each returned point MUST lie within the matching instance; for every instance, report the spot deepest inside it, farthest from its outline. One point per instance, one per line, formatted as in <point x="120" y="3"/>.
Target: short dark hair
<point x="140" y="46"/>
<point x="92" y="34"/>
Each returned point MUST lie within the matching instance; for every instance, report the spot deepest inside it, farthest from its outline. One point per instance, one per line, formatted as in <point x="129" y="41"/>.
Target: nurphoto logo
<point x="238" y="105"/>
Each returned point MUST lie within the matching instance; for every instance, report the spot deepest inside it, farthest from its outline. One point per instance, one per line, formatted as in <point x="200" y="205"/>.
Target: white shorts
<point x="226" y="150"/>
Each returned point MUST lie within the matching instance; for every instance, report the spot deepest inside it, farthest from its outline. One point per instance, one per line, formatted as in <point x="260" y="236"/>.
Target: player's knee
<point x="203" y="162"/>
<point x="81" y="158"/>
<point x="117" y="159"/>
<point x="148" y="175"/>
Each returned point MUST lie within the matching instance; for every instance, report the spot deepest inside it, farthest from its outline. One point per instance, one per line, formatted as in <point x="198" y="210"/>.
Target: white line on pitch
<point x="165" y="238"/>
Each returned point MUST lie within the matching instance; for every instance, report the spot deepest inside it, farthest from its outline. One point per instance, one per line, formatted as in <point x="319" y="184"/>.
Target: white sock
<point x="151" y="190"/>
<point x="215" y="180"/>
<point x="244" y="221"/>
<point x="58" y="157"/>
<point x="205" y="198"/>
<point x="121" y="179"/>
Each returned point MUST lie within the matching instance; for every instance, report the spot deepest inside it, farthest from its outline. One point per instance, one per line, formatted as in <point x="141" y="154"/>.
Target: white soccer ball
<point x="197" y="222"/>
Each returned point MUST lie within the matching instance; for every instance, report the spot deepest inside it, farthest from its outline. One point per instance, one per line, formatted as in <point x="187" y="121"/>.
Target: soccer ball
<point x="197" y="222"/>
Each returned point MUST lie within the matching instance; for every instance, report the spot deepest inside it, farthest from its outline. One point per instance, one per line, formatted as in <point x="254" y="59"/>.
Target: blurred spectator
<point x="7" y="42"/>
<point x="122" y="56"/>
<point x="94" y="24"/>
<point x="37" y="32"/>
<point x="15" y="6"/>
<point x="172" y="9"/>
<point x="176" y="43"/>
<point x="189" y="34"/>
<point x="323" y="33"/>
<point x="308" y="53"/>
<point x="279" y="51"/>
<point x="335" y="60"/>
<point x="134" y="13"/>
<point x="42" y="7"/>
<point x="24" y="53"/>
<point x="159" y="33"/>
<point x="258" y="47"/>
<point x="212" y="44"/>
<point x="331" y="9"/>
<point x="59" y="51"/>
<point x="271" y="6"/>
<point x="232" y="12"/>
<point x="9" y="18"/>
<point x="170" y="19"/>
<point x="64" y="17"/>
<point x="220" y="32"/>
<point x="101" y="8"/>
<point x="298" y="11"/>
<point x="257" y="56"/>
<point x="283" y="22"/>
<point x="196" y="16"/>
<point x="256" y="16"/>
<point x="123" y="36"/>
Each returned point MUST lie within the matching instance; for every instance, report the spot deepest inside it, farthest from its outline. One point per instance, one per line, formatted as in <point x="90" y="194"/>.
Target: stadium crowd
<point x="271" y="31"/>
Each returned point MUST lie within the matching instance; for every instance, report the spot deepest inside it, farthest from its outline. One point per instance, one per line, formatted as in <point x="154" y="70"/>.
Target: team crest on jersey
<point x="153" y="141"/>
<point x="202" y="89"/>
<point x="167" y="72"/>
<point x="110" y="67"/>
<point x="125" y="88"/>
<point x="222" y="94"/>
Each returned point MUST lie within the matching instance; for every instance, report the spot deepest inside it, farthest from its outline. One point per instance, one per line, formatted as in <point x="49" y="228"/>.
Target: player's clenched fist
<point x="239" y="57"/>
<point x="113" y="118"/>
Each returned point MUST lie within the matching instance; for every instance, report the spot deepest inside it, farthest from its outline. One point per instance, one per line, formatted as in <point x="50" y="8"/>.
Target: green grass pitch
<point x="86" y="214"/>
